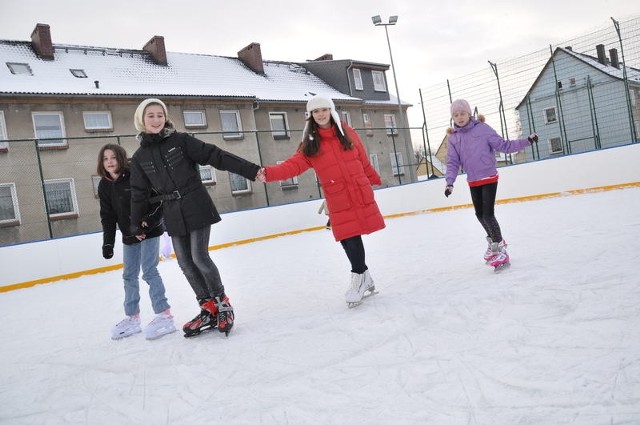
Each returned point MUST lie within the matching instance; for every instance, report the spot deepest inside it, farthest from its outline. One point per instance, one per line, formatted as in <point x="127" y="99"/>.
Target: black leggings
<point x="484" y="200"/>
<point x="355" y="252"/>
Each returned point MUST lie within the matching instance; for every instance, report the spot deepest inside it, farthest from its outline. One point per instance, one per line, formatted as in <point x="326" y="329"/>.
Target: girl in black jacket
<point x="140" y="249"/>
<point x="167" y="161"/>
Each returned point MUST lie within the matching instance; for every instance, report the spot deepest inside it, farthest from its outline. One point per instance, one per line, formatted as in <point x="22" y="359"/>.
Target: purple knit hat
<point x="460" y="105"/>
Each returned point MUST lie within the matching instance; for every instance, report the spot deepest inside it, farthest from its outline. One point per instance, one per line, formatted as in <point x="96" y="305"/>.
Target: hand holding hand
<point x="262" y="175"/>
<point x="107" y="251"/>
<point x="533" y="138"/>
<point x="448" y="191"/>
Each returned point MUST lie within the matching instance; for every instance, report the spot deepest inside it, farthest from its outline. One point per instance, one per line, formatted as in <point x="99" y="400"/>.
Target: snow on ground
<point x="555" y="339"/>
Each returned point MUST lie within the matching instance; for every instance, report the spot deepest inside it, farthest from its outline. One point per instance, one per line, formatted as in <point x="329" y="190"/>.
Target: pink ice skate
<point x="500" y="261"/>
<point x="493" y="250"/>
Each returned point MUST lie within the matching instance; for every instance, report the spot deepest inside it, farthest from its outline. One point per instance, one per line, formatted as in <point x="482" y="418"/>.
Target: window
<point x="279" y="125"/>
<point x="9" y="212"/>
<point x="292" y="183"/>
<point x="572" y="82"/>
<point x="231" y="124"/>
<point x="78" y="73"/>
<point x="555" y="145"/>
<point x="98" y="120"/>
<point x="367" y="123"/>
<point x="378" y="81"/>
<point x="373" y="158"/>
<point x="550" y="115"/>
<point x="95" y="181"/>
<point x="239" y="184"/>
<point x="397" y="163"/>
<point x="194" y="119"/>
<point x="357" y="79"/>
<point x="390" y="124"/>
<point x="61" y="200"/>
<point x="346" y="117"/>
<point x="3" y="133"/>
<point x="19" y="68"/>
<point x="207" y="174"/>
<point x="48" y="125"/>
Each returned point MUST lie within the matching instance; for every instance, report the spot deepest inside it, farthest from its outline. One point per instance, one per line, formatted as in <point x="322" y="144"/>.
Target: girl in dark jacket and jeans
<point x="167" y="161"/>
<point x="139" y="250"/>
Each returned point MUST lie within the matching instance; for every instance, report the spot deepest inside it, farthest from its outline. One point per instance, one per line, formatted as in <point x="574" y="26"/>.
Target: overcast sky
<point x="432" y="41"/>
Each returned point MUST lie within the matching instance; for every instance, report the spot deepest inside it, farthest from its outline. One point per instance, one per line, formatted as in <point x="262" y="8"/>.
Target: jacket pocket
<point x="337" y="197"/>
<point x="148" y="167"/>
<point x="364" y="185"/>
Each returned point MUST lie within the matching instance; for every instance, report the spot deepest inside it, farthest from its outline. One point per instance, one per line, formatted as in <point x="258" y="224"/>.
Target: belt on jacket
<point x="173" y="196"/>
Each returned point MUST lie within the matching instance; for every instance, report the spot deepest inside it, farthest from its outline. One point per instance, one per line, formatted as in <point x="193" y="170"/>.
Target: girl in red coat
<point x="336" y="153"/>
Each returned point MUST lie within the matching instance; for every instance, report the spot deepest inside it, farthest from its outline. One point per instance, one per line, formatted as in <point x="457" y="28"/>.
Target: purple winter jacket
<point x="473" y="147"/>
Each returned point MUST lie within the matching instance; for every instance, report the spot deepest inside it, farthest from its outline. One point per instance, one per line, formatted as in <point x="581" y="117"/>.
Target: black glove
<point x="107" y="251"/>
<point x="448" y="191"/>
<point x="533" y="138"/>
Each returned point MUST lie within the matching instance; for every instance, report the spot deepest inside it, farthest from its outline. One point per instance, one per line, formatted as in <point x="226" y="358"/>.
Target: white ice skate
<point x="128" y="326"/>
<point x="161" y="325"/>
<point x="493" y="250"/>
<point x="362" y="286"/>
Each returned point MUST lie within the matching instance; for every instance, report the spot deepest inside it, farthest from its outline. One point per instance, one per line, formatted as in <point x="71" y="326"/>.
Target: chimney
<point x="602" y="57"/>
<point x="156" y="49"/>
<point x="252" y="57"/>
<point x="613" y="54"/>
<point x="325" y="57"/>
<point x="41" y="41"/>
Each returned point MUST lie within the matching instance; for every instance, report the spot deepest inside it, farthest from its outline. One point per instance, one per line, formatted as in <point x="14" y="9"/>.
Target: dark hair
<point x="121" y="157"/>
<point x="311" y="142"/>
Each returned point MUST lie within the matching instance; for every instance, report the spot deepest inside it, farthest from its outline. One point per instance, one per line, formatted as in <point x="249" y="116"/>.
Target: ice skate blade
<point x="501" y="267"/>
<point x="198" y="332"/>
<point x="366" y="295"/>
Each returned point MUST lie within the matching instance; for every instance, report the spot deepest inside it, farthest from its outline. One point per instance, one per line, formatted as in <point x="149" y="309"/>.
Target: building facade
<point x="60" y="103"/>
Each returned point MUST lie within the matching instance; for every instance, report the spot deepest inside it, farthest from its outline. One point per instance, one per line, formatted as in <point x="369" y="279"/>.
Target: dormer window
<point x="19" y="68"/>
<point x="378" y="81"/>
<point x="78" y="73"/>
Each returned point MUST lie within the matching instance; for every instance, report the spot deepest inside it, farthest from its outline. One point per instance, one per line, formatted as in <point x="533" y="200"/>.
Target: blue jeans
<point x="192" y="252"/>
<point x="143" y="255"/>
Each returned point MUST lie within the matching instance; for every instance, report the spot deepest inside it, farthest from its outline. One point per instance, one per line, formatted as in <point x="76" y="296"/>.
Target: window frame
<point x="233" y="176"/>
<point x="393" y="130"/>
<point x="381" y="84"/>
<point x="201" y="113"/>
<point x="73" y="199"/>
<point x="397" y="169"/>
<point x="95" y="181"/>
<point x="208" y="182"/>
<point x="366" y="120"/>
<point x="16" y="220"/>
<point x="346" y="117"/>
<point x="50" y="143"/>
<point x="284" y="134"/>
<point x="78" y="73"/>
<point x="231" y="134"/>
<point x="107" y="114"/>
<point x="357" y="79"/>
<point x="288" y="184"/>
<point x="4" y="145"/>
<point x="19" y="68"/>
<point x="375" y="161"/>
<point x="546" y="115"/>
<point x="551" y="142"/>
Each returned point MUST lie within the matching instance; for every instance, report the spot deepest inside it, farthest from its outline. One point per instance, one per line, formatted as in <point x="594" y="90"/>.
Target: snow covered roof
<point x="121" y="72"/>
<point x="633" y="74"/>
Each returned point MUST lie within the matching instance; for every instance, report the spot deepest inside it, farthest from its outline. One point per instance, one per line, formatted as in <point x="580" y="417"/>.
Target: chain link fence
<point x="48" y="187"/>
<point x="580" y="95"/>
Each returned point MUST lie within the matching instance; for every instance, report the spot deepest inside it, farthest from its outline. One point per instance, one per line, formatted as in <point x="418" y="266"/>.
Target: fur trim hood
<point x="480" y="118"/>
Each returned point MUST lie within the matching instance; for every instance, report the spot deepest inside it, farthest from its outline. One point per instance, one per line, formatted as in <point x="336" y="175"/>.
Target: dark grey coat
<point x="167" y="162"/>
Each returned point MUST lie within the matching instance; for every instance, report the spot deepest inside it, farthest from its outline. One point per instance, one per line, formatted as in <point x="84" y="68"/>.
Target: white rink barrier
<point x="28" y="264"/>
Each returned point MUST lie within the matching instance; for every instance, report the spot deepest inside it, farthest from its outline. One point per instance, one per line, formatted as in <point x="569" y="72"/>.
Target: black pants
<point x="355" y="252"/>
<point x="484" y="200"/>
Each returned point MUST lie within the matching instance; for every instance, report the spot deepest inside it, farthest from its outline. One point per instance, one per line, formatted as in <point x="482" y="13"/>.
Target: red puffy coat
<point x="346" y="177"/>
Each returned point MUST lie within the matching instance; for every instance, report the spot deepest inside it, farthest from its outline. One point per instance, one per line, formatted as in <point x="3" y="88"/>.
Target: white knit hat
<point x="321" y="101"/>
<point x="138" y="117"/>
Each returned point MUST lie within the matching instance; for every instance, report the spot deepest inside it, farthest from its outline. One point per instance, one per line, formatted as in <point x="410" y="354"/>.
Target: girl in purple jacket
<point x="473" y="145"/>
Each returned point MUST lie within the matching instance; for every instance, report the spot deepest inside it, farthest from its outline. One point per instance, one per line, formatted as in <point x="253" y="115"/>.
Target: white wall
<point x="21" y="265"/>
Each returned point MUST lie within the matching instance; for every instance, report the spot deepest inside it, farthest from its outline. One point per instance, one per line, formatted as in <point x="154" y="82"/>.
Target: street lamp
<point x="377" y="21"/>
